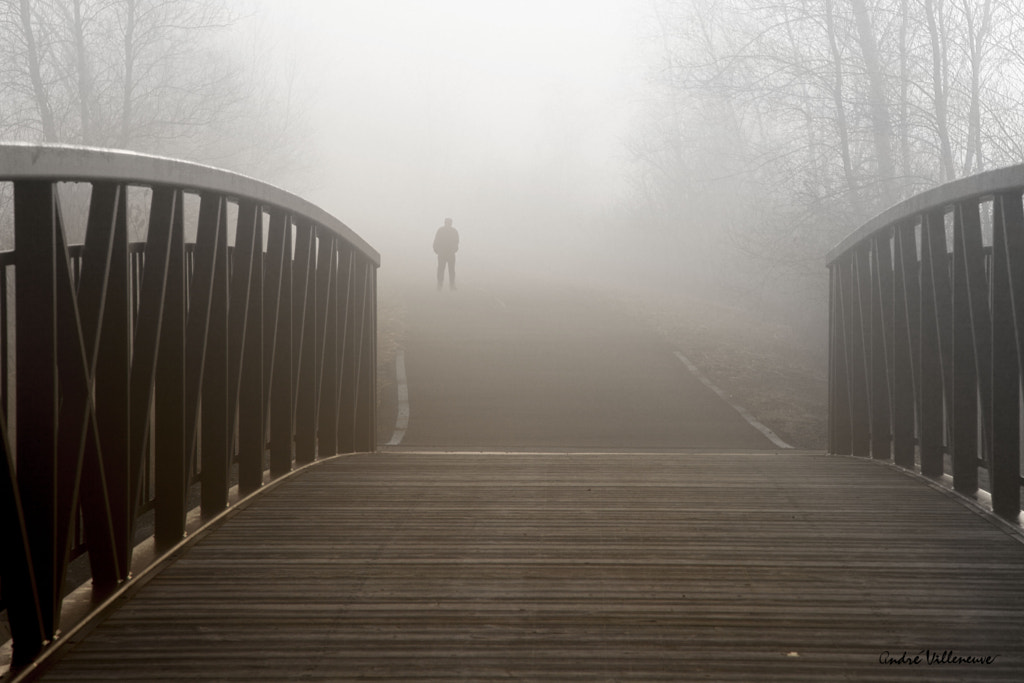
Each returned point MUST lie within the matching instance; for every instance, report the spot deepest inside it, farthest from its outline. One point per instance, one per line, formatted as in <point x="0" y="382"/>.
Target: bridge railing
<point x="197" y="330"/>
<point x="927" y="337"/>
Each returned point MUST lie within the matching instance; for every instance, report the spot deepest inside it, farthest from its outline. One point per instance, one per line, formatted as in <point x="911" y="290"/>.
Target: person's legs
<point x="451" y="271"/>
<point x="440" y="270"/>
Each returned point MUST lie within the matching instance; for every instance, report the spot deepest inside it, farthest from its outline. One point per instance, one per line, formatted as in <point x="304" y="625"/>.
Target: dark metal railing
<point x="234" y="340"/>
<point x="926" y="334"/>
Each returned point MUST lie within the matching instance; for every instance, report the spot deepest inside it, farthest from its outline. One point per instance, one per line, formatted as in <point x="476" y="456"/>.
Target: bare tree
<point x="32" y="58"/>
<point x="842" y="107"/>
<point x="161" y="76"/>
<point x="878" y="100"/>
<point x="776" y="127"/>
<point x="173" y="81"/>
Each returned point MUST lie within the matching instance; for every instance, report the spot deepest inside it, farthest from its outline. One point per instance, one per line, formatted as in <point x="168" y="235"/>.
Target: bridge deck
<point x="445" y="566"/>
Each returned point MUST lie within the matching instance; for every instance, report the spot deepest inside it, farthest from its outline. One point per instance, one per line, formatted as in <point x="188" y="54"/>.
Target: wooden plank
<point x="575" y="566"/>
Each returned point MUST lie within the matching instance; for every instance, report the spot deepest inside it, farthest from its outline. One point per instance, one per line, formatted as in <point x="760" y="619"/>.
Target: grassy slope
<point x="763" y="365"/>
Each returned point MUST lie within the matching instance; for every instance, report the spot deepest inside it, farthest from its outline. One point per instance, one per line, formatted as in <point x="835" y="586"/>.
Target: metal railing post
<point x="252" y="435"/>
<point x="327" y="322"/>
<point x="906" y="347"/>
<point x="38" y="471"/>
<point x="349" y="357"/>
<point x="366" y="376"/>
<point x="856" y="351"/>
<point x="934" y="314"/>
<point x="839" y="403"/>
<point x="1007" y="251"/>
<point x="215" y="436"/>
<point x="305" y="346"/>
<point x="276" y="342"/>
<point x="881" y="343"/>
<point x="169" y="425"/>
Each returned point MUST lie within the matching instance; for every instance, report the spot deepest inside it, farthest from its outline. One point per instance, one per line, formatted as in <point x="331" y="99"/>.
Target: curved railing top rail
<point x="155" y="366"/>
<point x="980" y="185"/>
<point x="23" y="161"/>
<point x="926" y="339"/>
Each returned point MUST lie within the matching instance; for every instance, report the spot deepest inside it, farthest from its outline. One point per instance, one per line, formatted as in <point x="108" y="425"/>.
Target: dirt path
<point x="503" y="367"/>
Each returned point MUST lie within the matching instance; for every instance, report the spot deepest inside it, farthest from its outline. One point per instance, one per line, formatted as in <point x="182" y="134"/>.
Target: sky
<point x="507" y="116"/>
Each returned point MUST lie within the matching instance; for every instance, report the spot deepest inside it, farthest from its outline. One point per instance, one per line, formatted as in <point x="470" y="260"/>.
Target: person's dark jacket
<point x="446" y="241"/>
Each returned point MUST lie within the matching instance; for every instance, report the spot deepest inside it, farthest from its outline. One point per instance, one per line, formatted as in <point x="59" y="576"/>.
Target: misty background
<point x="703" y="152"/>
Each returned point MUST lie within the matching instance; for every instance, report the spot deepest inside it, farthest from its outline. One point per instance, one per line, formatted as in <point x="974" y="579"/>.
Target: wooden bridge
<point x="194" y="488"/>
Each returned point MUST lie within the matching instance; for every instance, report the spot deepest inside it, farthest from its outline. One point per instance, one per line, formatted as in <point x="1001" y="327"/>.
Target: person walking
<point x="446" y="243"/>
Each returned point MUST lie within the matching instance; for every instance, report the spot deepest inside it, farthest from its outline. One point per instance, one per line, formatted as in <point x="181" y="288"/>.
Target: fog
<point x="715" y="151"/>
<point x="508" y="117"/>
<point x="531" y="125"/>
<point x="585" y="139"/>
